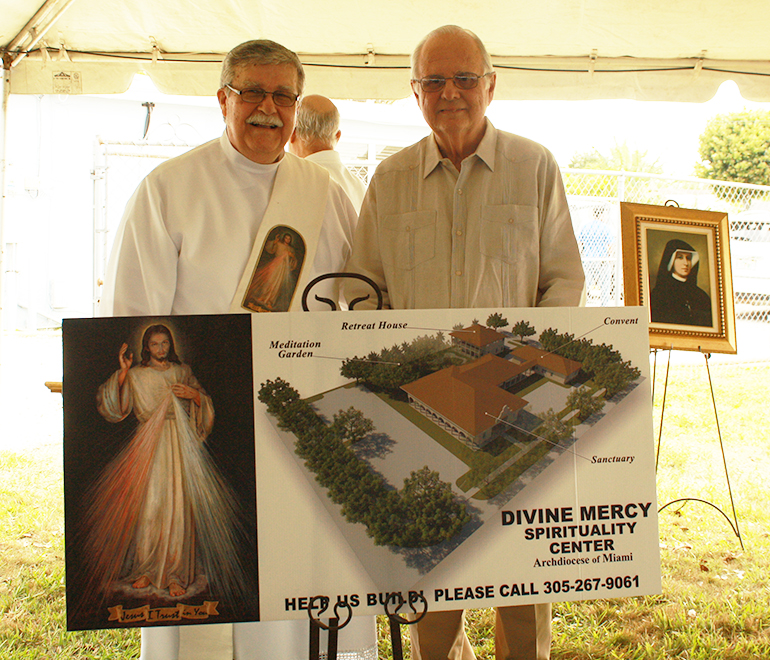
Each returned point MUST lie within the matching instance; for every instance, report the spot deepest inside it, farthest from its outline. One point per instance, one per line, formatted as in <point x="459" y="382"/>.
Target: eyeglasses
<point x="284" y="99"/>
<point x="461" y="81"/>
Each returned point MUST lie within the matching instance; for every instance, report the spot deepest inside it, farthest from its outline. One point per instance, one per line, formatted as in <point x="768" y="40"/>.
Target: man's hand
<point x="186" y="392"/>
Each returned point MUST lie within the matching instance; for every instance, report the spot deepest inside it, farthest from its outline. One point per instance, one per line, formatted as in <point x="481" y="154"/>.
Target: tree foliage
<point x="552" y="428"/>
<point x="424" y="513"/>
<point x="736" y="147"/>
<point x="523" y="329"/>
<point x="582" y="400"/>
<point x="496" y="320"/>
<point x="602" y="363"/>
<point x="436" y="513"/>
<point x="398" y="365"/>
<point x="351" y="425"/>
<point x="620" y="158"/>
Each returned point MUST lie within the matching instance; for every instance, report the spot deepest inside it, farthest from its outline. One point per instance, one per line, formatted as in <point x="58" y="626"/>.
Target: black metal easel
<point x="734" y="522"/>
<point x="322" y="602"/>
<point x="332" y="627"/>
<point x="342" y="276"/>
<point x="396" y="620"/>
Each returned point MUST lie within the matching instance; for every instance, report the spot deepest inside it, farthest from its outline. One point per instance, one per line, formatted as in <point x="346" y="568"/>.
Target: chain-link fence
<point x="594" y="198"/>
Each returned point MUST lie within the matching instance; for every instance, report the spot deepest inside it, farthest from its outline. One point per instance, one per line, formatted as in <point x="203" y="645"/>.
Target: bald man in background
<point x="315" y="135"/>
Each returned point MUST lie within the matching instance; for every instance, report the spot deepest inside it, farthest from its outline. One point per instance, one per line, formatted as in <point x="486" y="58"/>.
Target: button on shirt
<point x="495" y="234"/>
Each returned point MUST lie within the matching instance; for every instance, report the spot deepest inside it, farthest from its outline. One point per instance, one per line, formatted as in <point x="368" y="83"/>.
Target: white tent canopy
<point x="665" y="50"/>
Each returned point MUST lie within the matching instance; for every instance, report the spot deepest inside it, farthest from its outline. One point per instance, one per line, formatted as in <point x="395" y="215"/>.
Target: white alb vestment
<point x="188" y="231"/>
<point x="182" y="247"/>
<point x="351" y="184"/>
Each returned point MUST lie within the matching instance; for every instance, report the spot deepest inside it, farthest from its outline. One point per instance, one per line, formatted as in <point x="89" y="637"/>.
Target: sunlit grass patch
<point x="715" y="603"/>
<point x="32" y="605"/>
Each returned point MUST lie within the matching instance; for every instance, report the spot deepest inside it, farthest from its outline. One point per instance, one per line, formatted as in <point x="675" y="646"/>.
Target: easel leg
<point x="722" y="447"/>
<point x="331" y="653"/>
<point x="332" y="627"/>
<point x="315" y="641"/>
<point x="734" y="522"/>
<point x="662" y="410"/>
<point x="395" y="640"/>
<point x="396" y="620"/>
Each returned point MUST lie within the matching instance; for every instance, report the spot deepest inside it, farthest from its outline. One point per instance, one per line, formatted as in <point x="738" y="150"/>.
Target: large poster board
<point x="475" y="457"/>
<point x="424" y="452"/>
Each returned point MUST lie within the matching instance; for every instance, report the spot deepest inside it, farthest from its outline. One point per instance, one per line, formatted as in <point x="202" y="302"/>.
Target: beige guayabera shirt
<point x="496" y="234"/>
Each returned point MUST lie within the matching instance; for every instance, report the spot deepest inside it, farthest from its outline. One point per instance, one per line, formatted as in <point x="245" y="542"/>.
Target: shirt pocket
<point x="508" y="231"/>
<point x="408" y="239"/>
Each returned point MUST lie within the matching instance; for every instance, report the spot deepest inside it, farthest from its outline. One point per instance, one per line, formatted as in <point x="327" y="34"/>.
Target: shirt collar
<point x="240" y="161"/>
<point x="485" y="151"/>
<point x="325" y="156"/>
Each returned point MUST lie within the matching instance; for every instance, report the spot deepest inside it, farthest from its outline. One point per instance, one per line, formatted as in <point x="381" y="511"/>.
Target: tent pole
<point x="6" y="91"/>
<point x="35" y="29"/>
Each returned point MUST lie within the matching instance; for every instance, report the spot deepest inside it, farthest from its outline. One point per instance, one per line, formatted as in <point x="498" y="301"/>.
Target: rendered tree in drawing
<point x="496" y="320"/>
<point x="351" y="425"/>
<point x="584" y="402"/>
<point x="523" y="329"/>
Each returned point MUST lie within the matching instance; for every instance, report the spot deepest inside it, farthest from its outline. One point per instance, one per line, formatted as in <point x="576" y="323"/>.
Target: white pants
<point x="267" y="640"/>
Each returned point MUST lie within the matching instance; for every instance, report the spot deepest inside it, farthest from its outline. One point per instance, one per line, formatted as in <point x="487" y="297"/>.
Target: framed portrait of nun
<point x="676" y="263"/>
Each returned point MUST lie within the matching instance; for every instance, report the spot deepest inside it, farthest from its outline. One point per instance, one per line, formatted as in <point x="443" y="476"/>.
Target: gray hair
<point x="259" y="51"/>
<point x="451" y="29"/>
<point x="312" y="126"/>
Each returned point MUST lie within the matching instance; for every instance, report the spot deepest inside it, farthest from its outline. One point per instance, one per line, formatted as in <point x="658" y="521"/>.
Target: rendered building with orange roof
<point x="477" y="340"/>
<point x="546" y="364"/>
<point x="470" y="401"/>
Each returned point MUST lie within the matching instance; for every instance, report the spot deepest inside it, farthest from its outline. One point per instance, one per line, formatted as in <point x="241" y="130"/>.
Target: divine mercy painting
<point x="160" y="522"/>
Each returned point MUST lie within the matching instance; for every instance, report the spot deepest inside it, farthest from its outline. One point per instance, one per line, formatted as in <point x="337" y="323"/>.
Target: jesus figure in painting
<point x="160" y="511"/>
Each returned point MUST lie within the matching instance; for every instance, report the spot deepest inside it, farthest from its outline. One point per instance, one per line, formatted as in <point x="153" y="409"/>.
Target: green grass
<point x="32" y="615"/>
<point x="715" y="603"/>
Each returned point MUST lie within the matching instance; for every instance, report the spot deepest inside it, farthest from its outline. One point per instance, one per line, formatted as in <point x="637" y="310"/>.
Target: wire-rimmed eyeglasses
<point x="460" y="80"/>
<point x="280" y="97"/>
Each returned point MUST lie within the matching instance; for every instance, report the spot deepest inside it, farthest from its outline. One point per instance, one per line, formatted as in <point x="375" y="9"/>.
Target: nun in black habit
<point x="676" y="297"/>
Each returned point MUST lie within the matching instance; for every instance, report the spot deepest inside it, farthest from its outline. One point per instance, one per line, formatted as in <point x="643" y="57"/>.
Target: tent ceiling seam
<point x="158" y="57"/>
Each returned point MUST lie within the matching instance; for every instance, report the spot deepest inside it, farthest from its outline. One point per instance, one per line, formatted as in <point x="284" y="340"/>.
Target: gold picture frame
<point x="676" y="262"/>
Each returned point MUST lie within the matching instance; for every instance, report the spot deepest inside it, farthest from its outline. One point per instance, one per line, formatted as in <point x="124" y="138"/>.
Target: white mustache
<point x="261" y="119"/>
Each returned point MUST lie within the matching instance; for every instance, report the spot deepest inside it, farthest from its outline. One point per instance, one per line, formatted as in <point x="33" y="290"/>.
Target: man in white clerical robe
<point x="192" y="240"/>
